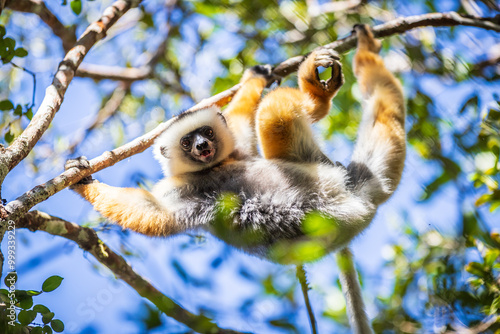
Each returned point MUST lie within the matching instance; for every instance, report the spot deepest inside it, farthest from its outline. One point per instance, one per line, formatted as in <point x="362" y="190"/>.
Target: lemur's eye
<point x="185" y="143"/>
<point x="208" y="132"/>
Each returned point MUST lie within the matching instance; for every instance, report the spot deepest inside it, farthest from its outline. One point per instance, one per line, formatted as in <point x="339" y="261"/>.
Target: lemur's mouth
<point x="206" y="153"/>
<point x="206" y="156"/>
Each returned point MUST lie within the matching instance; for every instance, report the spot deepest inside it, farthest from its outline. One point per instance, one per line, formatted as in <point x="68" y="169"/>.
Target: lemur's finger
<point x="264" y="70"/>
<point x="366" y="40"/>
<point x="329" y="53"/>
<point x="80" y="162"/>
<point x="325" y="57"/>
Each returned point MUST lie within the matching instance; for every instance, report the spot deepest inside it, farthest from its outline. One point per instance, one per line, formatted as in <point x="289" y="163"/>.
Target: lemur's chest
<point x="273" y="179"/>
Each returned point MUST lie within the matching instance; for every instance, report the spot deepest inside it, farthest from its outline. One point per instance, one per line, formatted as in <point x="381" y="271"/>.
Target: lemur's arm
<point x="319" y="92"/>
<point x="379" y="154"/>
<point x="136" y="209"/>
<point x="285" y="114"/>
<point x="240" y="113"/>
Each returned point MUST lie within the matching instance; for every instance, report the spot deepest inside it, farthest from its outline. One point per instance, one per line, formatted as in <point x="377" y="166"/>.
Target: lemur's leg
<point x="240" y="113"/>
<point x="284" y="116"/>
<point x="379" y="154"/>
<point x="136" y="209"/>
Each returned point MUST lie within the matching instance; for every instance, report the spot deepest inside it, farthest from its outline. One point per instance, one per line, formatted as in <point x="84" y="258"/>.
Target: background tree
<point x="430" y="260"/>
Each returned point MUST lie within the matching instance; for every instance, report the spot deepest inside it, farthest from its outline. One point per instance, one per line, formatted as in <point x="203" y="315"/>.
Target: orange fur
<point x="241" y="112"/>
<point x="278" y="117"/>
<point x="383" y="90"/>
<point x="321" y="95"/>
<point x="286" y="113"/>
<point x="131" y="208"/>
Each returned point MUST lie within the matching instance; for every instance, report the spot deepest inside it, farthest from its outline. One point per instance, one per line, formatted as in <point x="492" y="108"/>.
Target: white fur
<point x="175" y="161"/>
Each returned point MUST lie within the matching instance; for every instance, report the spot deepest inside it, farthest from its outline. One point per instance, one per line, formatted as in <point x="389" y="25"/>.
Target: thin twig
<point x="88" y="240"/>
<point x="34" y="82"/>
<point x="301" y="275"/>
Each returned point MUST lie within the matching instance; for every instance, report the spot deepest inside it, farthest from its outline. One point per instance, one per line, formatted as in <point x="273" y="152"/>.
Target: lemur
<point x="204" y="157"/>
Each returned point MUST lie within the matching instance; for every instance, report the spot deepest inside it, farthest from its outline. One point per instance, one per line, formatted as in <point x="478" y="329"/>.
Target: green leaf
<point x="9" y="137"/>
<point x="47" y="317"/>
<point x="26" y="317"/>
<point x="33" y="292"/>
<point x="47" y="329"/>
<point x="2" y="31"/>
<point x="42" y="309"/>
<point x="6" y="105"/>
<point x="475" y="268"/>
<point x="57" y="325"/>
<point x="36" y="330"/>
<point x="10" y="278"/>
<point x="51" y="283"/>
<point x="20" y="52"/>
<point x="29" y="113"/>
<point x="19" y="110"/>
<point x="26" y="302"/>
<point x="495" y="305"/>
<point x="7" y="49"/>
<point x="76" y="6"/>
<point x="491" y="257"/>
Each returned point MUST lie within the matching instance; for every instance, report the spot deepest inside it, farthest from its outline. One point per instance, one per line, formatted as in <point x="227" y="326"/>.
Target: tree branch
<point x="40" y="193"/>
<point x="399" y="26"/>
<point x="88" y="240"/>
<point x="102" y="72"/>
<point x="478" y="68"/>
<point x="2" y="6"/>
<point x="54" y="95"/>
<point x="67" y="35"/>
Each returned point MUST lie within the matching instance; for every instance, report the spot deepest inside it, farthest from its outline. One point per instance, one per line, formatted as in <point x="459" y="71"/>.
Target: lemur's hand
<point x="366" y="40"/>
<point x="329" y="58"/>
<point x="262" y="71"/>
<point x="81" y="163"/>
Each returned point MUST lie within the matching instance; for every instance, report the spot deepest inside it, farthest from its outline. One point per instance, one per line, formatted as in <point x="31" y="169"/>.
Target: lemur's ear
<point x="222" y="117"/>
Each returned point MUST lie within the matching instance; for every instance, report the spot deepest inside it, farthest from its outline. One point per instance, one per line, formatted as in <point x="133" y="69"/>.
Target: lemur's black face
<point x="200" y="144"/>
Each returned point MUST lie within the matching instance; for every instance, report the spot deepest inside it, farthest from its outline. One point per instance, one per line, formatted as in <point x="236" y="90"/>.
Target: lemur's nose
<point x="203" y="145"/>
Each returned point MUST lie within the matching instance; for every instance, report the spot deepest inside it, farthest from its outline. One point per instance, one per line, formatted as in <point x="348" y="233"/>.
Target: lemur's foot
<point x="263" y="71"/>
<point x="329" y="58"/>
<point x="81" y="163"/>
<point x="366" y="40"/>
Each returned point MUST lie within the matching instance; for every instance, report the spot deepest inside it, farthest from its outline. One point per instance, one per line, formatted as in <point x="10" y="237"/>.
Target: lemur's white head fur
<point x="167" y="149"/>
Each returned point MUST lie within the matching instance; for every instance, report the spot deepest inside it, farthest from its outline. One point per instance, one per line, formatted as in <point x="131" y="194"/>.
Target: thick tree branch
<point x="88" y="240"/>
<point x="54" y="95"/>
<point x="40" y="193"/>
<point x="67" y="35"/>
